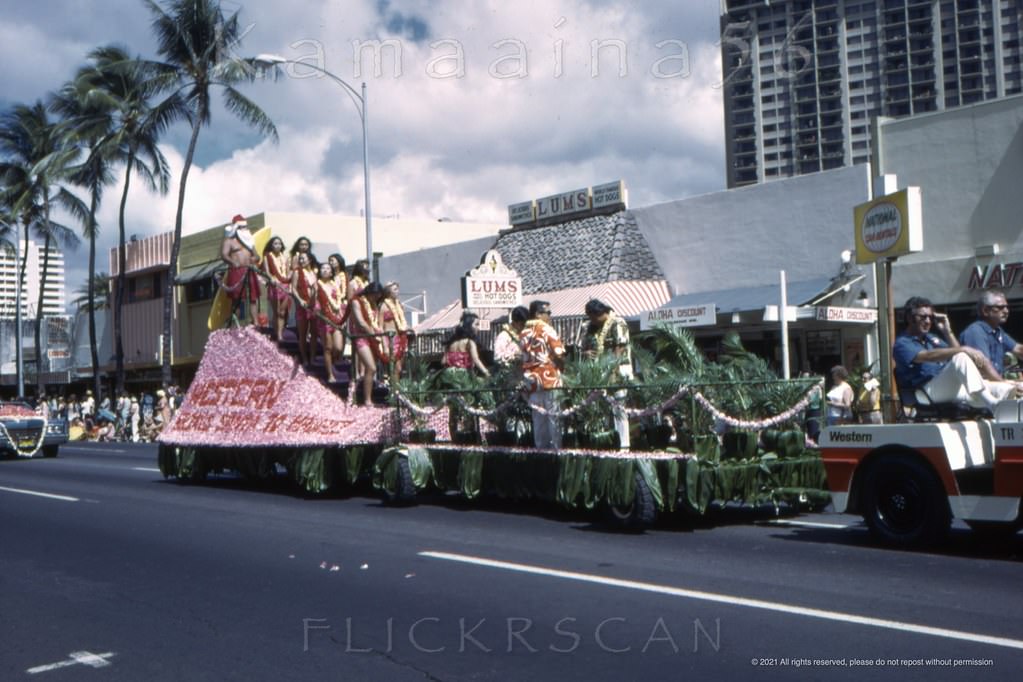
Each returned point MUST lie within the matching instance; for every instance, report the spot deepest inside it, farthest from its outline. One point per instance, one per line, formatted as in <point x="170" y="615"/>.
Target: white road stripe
<point x="145" y="469"/>
<point x="733" y="601"/>
<point x="51" y="496"/>
<point x="84" y="657"/>
<point x="808" y="524"/>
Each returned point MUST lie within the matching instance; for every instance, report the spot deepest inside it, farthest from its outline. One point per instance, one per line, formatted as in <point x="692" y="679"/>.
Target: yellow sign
<point x="889" y="226"/>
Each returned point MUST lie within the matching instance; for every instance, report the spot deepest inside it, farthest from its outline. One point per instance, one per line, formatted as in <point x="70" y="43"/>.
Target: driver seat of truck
<point x="917" y="406"/>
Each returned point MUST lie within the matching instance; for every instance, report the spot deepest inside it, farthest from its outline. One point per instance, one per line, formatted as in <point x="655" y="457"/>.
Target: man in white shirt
<point x="507" y="350"/>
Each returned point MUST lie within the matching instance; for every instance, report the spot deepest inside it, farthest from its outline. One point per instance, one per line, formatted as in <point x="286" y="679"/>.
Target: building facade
<point x="802" y="79"/>
<point x="972" y="206"/>
<point x="54" y="292"/>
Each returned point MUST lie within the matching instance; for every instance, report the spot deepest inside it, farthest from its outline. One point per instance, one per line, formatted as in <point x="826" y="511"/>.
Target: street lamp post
<point x="359" y="100"/>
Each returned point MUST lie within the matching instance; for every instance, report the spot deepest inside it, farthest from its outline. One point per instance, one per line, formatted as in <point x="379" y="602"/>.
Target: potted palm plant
<point x="417" y="384"/>
<point x="592" y="421"/>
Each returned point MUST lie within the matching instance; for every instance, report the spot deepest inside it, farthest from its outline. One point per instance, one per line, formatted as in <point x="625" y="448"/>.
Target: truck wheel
<point x="636" y="516"/>
<point x="905" y="504"/>
<point x="404" y="488"/>
<point x="50" y="450"/>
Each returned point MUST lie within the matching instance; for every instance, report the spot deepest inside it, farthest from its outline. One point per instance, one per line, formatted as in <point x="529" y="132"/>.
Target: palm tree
<point x="197" y="42"/>
<point x="93" y="294"/>
<point x="88" y="124"/>
<point x="138" y="125"/>
<point x="36" y="160"/>
<point x="112" y="97"/>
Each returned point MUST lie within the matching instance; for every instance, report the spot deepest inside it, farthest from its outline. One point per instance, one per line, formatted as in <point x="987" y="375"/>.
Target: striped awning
<point x="627" y="298"/>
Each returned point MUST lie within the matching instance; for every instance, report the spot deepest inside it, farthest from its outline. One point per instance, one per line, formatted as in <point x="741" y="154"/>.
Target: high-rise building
<point x="54" y="294"/>
<point x="802" y="79"/>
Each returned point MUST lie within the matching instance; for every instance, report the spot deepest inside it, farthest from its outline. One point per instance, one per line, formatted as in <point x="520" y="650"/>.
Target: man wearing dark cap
<point x="238" y="250"/>
<point x="608" y="334"/>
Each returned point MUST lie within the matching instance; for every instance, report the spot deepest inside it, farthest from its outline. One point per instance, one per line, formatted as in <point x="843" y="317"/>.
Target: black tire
<point x="905" y="504"/>
<point x="636" y="516"/>
<point x="50" y="450"/>
<point x="404" y="488"/>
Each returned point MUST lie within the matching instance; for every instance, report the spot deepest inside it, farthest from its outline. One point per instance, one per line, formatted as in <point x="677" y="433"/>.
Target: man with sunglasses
<point x="936" y="365"/>
<point x="986" y="333"/>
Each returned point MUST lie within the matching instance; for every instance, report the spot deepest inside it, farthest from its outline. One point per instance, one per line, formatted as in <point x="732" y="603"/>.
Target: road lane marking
<point x="153" y="469"/>
<point x="98" y="449"/>
<point x="808" y="524"/>
<point x="731" y="600"/>
<point x="84" y="657"/>
<point x="51" y="496"/>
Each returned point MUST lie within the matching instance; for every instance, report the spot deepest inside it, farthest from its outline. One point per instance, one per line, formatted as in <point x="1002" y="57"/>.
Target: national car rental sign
<point x="889" y="226"/>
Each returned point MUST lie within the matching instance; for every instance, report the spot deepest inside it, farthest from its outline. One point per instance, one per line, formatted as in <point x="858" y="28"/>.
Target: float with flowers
<point x="29" y="432"/>
<point x="704" y="435"/>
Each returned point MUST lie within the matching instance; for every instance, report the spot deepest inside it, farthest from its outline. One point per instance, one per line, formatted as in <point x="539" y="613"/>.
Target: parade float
<point x="706" y="434"/>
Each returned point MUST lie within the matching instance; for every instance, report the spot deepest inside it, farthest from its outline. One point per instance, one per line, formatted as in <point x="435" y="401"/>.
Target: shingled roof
<point x="579" y="253"/>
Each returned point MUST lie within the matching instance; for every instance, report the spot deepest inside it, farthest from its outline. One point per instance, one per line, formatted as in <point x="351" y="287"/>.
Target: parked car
<point x="22" y="431"/>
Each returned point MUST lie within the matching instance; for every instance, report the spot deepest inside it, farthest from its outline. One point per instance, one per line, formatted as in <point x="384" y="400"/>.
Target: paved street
<point x="108" y="572"/>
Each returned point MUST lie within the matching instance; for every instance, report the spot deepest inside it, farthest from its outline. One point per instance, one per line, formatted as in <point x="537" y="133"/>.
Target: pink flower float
<point x="247" y="393"/>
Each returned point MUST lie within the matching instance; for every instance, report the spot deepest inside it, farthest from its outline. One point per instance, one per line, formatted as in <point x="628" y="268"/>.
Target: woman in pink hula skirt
<point x="392" y="319"/>
<point x="362" y="321"/>
<point x="275" y="263"/>
<point x="303" y="284"/>
<point x="330" y="299"/>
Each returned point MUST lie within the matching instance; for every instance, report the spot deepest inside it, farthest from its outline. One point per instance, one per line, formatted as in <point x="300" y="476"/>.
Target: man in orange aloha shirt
<point x="542" y="357"/>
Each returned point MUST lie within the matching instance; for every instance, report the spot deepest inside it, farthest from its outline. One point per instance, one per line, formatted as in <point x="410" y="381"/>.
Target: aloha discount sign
<point x="889" y="226"/>
<point x="491" y="284"/>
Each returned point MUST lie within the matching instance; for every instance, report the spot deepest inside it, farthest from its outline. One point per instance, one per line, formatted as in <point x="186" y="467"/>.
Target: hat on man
<point x="239" y="221"/>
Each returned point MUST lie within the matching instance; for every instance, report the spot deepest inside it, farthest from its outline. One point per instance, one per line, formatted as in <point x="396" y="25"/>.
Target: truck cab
<point x="909" y="481"/>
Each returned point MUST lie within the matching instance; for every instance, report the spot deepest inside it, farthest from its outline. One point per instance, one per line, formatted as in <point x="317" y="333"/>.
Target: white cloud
<point x="461" y="148"/>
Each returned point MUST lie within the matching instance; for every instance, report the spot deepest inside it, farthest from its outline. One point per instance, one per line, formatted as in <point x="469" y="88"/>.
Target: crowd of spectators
<point x="131" y="417"/>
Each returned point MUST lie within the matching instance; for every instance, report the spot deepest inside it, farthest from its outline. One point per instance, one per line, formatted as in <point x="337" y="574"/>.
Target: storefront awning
<point x="199" y="272"/>
<point x="755" y="298"/>
<point x="811" y="299"/>
<point x="627" y="298"/>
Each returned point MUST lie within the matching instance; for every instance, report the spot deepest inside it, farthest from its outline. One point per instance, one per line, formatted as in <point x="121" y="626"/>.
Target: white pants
<point x="960" y="381"/>
<point x="621" y="420"/>
<point x="546" y="429"/>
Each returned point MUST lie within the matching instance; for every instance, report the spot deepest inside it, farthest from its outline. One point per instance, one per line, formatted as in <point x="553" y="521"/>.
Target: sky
<point x="473" y="106"/>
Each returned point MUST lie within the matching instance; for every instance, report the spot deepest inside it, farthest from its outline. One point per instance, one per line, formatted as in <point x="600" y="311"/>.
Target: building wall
<point x="146" y="262"/>
<point x="743" y="237"/>
<point x="803" y="78"/>
<point x="433" y="273"/>
<point x="971" y="195"/>
<point x="55" y="294"/>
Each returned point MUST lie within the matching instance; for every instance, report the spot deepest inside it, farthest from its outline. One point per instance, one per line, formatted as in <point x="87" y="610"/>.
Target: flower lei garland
<point x="39" y="442"/>
<point x="398" y="312"/>
<point x="334" y="297"/>
<point x="597" y="454"/>
<point x="276" y="264"/>
<point x="745" y="424"/>
<point x="598" y="340"/>
<point x="305" y="283"/>
<point x="368" y="314"/>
